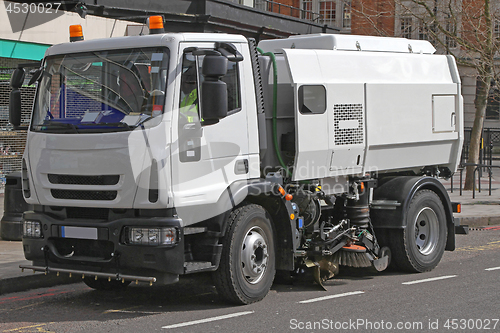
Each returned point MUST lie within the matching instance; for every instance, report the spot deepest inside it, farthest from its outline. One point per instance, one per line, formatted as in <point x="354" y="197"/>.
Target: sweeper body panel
<point x="156" y="156"/>
<point x="371" y="110"/>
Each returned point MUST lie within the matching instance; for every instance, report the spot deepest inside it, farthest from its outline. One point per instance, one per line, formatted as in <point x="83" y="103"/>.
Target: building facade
<point x="403" y="18"/>
<point x="332" y="13"/>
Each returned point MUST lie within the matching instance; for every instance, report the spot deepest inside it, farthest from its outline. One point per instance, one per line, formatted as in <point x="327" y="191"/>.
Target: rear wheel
<point x="420" y="246"/>
<point x="104" y="284"/>
<point x="247" y="266"/>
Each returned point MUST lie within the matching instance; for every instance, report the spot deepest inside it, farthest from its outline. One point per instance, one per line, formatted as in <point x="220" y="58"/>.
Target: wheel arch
<point x="400" y="191"/>
<point x="261" y="192"/>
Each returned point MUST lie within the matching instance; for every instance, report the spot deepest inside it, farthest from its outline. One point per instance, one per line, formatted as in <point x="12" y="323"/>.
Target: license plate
<point x="79" y="232"/>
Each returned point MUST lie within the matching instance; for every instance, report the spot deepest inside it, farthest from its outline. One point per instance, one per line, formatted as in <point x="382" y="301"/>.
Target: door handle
<point x="241" y="167"/>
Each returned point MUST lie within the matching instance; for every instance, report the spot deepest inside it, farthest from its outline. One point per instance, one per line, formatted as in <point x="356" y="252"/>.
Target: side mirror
<point x="36" y="76"/>
<point x="214" y="66"/>
<point x="17" y="78"/>
<point x="213" y="89"/>
<point x="15" y="108"/>
<point x="16" y="81"/>
<point x="213" y="101"/>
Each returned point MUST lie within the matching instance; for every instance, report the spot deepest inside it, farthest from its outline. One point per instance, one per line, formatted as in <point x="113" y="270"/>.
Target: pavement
<point x="478" y="213"/>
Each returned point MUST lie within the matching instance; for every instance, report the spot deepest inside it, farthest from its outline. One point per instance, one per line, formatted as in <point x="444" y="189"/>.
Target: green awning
<point x="22" y="50"/>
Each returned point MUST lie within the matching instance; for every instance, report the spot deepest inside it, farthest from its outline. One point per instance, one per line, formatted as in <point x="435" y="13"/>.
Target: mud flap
<point x="322" y="270"/>
<point x="383" y="262"/>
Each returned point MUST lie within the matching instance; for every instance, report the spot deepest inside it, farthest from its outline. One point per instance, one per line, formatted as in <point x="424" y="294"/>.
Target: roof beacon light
<point x="75" y="33"/>
<point x="156" y="25"/>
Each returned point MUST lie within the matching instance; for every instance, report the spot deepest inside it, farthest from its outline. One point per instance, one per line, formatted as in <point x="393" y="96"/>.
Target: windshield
<point x="101" y="91"/>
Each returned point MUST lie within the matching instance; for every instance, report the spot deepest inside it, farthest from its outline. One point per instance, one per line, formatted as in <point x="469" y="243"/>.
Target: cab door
<point x="208" y="160"/>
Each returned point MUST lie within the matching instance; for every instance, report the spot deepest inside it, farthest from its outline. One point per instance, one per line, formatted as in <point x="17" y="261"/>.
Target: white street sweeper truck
<point x="156" y="156"/>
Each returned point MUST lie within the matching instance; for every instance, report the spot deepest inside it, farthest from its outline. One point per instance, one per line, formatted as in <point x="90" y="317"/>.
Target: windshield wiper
<point x="90" y="127"/>
<point x="117" y="124"/>
<point x="48" y="124"/>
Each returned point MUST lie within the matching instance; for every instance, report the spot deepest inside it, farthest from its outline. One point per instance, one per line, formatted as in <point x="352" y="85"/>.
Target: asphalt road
<point x="460" y="295"/>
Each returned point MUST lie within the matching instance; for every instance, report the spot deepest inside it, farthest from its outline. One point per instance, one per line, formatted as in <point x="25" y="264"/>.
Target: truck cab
<point x="112" y="139"/>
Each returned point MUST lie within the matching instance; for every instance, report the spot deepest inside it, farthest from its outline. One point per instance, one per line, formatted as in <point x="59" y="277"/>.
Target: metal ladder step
<point x="198" y="266"/>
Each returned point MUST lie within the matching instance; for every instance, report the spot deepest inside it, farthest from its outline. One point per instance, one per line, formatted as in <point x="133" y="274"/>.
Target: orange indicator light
<point x="282" y="190"/>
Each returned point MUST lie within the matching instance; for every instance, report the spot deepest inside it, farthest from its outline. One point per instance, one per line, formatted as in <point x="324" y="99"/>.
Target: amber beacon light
<point x="156" y="25"/>
<point x="75" y="33"/>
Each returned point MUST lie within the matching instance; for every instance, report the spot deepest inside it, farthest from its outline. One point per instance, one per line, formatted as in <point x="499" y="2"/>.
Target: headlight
<point x="151" y="236"/>
<point x="32" y="229"/>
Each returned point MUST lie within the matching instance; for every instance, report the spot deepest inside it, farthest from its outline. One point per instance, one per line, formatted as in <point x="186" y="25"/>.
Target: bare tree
<point x="466" y="29"/>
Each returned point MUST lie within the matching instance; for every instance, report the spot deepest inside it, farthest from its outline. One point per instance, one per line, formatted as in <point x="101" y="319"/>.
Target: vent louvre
<point x="83" y="180"/>
<point x="84" y="195"/>
<point x="345" y="115"/>
<point x="25" y="180"/>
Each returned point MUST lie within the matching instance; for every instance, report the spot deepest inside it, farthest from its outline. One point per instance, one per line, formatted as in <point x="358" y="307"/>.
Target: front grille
<point x="84" y="180"/>
<point x="87" y="213"/>
<point x="84" y="195"/>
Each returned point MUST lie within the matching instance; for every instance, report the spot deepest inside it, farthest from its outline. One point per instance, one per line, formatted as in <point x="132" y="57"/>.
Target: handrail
<point x="490" y="138"/>
<point x="478" y="166"/>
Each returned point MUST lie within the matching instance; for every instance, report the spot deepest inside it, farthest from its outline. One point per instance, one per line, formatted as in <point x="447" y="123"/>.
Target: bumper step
<point x="198" y="266"/>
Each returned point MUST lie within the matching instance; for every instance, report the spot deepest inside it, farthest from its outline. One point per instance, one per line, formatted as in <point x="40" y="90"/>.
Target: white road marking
<point x="332" y="296"/>
<point x="429" y="280"/>
<point x="128" y="311"/>
<point x="207" y="320"/>
<point x="492" y="269"/>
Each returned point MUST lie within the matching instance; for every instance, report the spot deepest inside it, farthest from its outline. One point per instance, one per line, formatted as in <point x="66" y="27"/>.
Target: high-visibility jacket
<point x="189" y="106"/>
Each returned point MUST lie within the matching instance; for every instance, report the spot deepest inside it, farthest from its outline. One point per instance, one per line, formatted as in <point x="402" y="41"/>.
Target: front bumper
<point x="107" y="256"/>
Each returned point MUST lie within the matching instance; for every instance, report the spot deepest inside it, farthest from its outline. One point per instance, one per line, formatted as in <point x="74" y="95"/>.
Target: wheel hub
<point x="254" y="255"/>
<point x="426" y="231"/>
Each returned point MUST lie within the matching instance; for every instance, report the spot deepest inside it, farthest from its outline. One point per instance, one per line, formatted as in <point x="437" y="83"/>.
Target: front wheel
<point x="420" y="246"/>
<point x="247" y="265"/>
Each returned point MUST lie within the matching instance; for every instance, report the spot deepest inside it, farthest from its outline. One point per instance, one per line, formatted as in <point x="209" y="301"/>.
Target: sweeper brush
<point x="352" y="256"/>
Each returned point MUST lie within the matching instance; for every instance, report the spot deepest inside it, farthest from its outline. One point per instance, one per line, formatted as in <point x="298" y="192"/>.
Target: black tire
<point x="420" y="246"/>
<point x="104" y="284"/>
<point x="247" y="265"/>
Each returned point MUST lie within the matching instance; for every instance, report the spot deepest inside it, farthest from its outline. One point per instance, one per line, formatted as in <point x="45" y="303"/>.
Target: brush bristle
<point x="351" y="259"/>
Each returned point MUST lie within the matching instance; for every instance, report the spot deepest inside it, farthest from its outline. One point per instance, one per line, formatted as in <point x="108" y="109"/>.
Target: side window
<point x="232" y="80"/>
<point x="312" y="99"/>
<point x="191" y="82"/>
<point x="189" y="120"/>
<point x="189" y="90"/>
<point x="190" y="130"/>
